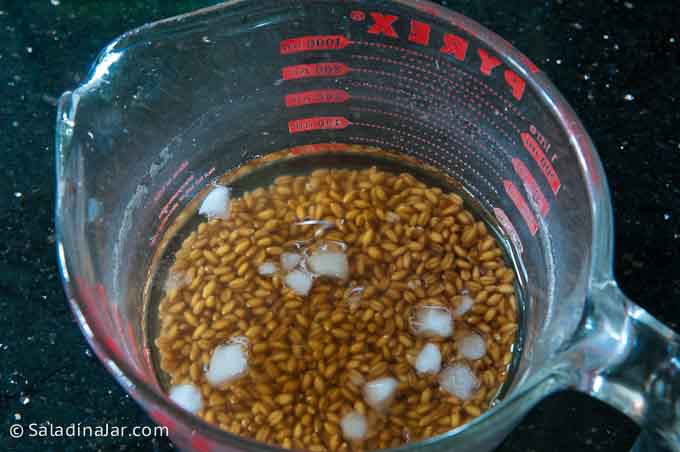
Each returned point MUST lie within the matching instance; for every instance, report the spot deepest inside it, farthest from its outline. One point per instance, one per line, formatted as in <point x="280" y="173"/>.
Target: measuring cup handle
<point x="630" y="360"/>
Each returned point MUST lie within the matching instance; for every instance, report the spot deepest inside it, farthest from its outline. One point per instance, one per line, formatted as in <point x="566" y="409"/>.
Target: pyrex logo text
<point x="382" y="24"/>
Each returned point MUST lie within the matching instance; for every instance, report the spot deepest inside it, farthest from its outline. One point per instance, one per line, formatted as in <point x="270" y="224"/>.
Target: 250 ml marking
<point x="317" y="123"/>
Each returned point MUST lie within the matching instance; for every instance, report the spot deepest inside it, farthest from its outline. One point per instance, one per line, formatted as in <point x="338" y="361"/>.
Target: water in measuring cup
<point x="351" y="300"/>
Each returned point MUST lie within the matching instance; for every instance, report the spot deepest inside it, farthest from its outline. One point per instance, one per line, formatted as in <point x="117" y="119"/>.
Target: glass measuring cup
<point x="141" y="136"/>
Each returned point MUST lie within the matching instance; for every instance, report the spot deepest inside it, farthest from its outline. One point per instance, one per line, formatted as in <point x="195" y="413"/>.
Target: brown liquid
<point x="411" y="243"/>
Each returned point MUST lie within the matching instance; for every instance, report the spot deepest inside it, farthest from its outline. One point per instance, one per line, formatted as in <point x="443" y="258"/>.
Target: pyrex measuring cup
<point x="149" y="127"/>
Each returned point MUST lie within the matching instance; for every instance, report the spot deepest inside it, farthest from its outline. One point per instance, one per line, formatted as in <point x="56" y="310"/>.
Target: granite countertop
<point x="617" y="63"/>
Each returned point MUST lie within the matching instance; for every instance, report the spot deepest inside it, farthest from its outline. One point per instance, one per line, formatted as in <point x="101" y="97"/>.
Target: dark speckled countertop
<point x="617" y="63"/>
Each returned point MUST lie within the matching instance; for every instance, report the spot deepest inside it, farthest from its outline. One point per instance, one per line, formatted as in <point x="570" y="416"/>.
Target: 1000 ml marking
<point x="310" y="43"/>
<point x="534" y="149"/>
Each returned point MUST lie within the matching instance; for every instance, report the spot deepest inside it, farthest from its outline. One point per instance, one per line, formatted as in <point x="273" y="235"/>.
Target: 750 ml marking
<point x="326" y="69"/>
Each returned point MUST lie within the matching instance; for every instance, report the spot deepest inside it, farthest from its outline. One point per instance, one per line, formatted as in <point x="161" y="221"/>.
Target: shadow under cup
<point x="171" y="106"/>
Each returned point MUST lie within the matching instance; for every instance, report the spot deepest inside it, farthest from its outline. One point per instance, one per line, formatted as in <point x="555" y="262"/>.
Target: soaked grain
<point x="408" y="245"/>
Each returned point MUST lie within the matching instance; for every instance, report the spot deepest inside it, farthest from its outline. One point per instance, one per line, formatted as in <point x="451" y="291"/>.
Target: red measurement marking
<point x="521" y="204"/>
<point x="531" y="186"/>
<point x="196" y="183"/>
<point x="93" y="297"/>
<point x="315" y="148"/>
<point x="509" y="228"/>
<point x="161" y="418"/>
<point x="178" y="192"/>
<point x="317" y="123"/>
<point x="420" y="33"/>
<point x="173" y="204"/>
<point x="167" y="183"/>
<point x="357" y="16"/>
<point x="382" y="25"/>
<point x="200" y="443"/>
<point x="298" y="71"/>
<point x="312" y="43"/>
<point x="543" y="163"/>
<point x="319" y="96"/>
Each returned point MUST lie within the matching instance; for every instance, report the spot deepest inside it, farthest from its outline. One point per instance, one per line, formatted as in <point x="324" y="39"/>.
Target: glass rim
<point x="581" y="145"/>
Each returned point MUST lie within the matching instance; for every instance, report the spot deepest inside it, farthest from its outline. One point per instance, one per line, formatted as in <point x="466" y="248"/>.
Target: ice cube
<point x="216" y="204"/>
<point x="227" y="363"/>
<point x="459" y="380"/>
<point x="267" y="269"/>
<point x="354" y="426"/>
<point x="429" y="360"/>
<point x="472" y="346"/>
<point x="465" y="304"/>
<point x="299" y="281"/>
<point x="433" y="320"/>
<point x="176" y="280"/>
<point x="289" y="261"/>
<point x="188" y="396"/>
<point x="329" y="263"/>
<point x="378" y="393"/>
